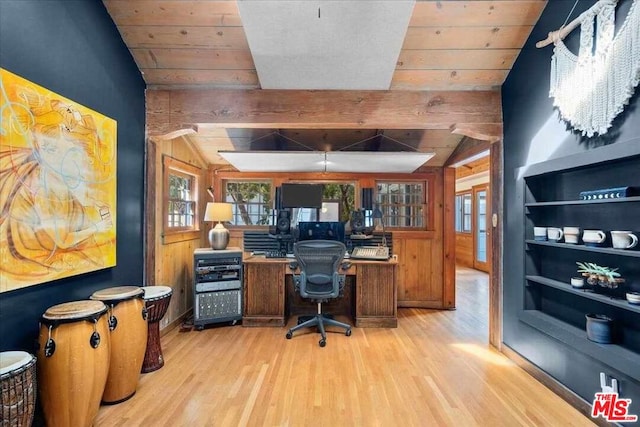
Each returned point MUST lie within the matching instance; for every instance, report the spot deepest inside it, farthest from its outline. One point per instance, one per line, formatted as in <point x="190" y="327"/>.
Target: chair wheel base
<point x="322" y="342"/>
<point x="348" y="332"/>
<point x="289" y="335"/>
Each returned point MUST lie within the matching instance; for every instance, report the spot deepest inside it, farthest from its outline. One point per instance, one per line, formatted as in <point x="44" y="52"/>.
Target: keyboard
<point x="380" y="253"/>
<point x="275" y="254"/>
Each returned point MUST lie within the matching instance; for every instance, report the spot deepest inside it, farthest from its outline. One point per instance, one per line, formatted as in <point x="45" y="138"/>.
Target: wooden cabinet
<point x="551" y="197"/>
<point x="264" y="294"/>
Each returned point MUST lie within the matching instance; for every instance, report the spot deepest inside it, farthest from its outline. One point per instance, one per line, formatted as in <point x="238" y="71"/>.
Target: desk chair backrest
<point x="319" y="261"/>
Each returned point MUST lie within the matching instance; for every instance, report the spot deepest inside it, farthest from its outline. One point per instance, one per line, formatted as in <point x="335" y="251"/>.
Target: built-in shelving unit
<point x="551" y="305"/>
<point x="583" y="202"/>
<point x="611" y="251"/>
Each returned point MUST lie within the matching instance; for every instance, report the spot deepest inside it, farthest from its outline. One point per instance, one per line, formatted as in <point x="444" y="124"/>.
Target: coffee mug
<point x="623" y="239"/>
<point x="593" y="237"/>
<point x="554" y="234"/>
<point x="577" y="282"/>
<point x="571" y="235"/>
<point x="540" y="233"/>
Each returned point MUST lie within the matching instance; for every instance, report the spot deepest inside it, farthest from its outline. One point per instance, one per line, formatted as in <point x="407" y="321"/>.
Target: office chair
<point x="319" y="280"/>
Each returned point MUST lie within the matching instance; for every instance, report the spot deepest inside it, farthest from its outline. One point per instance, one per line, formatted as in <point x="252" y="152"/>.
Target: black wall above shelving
<point x="537" y="141"/>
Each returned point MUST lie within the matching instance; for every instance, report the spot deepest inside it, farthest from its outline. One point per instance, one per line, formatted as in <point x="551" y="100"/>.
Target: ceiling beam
<point x="467" y="149"/>
<point x="168" y="111"/>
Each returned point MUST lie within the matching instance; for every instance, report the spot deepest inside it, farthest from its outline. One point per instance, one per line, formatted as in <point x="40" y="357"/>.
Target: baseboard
<point x="552" y="384"/>
<point x="177" y="322"/>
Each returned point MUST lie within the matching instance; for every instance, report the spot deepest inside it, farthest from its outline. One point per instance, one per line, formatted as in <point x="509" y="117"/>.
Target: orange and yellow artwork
<point x="57" y="186"/>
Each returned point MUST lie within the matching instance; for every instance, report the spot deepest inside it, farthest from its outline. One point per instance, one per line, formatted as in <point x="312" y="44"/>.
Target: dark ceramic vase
<point x="599" y="328"/>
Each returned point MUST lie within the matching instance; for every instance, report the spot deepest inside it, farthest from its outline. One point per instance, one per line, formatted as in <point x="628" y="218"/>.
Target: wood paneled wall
<point x="464" y="249"/>
<point x="423" y="279"/>
<point x="174" y="258"/>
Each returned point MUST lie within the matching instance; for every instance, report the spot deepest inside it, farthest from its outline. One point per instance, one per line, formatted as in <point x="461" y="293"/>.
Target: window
<point x="180" y="196"/>
<point x="403" y="204"/>
<point x="251" y="202"/>
<point x="463" y="213"/>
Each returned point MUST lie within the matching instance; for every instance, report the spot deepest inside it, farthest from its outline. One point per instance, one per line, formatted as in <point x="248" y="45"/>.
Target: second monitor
<point x="321" y="231"/>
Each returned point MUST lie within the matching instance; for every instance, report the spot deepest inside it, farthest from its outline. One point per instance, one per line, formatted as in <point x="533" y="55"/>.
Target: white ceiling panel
<point x="275" y="161"/>
<point x="320" y="161"/>
<point x="342" y="44"/>
<point x="383" y="162"/>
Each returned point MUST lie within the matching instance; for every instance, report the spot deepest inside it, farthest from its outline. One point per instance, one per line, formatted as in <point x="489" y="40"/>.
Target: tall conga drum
<point x="73" y="362"/>
<point x="157" y="300"/>
<point x="17" y="388"/>
<point x="128" y="326"/>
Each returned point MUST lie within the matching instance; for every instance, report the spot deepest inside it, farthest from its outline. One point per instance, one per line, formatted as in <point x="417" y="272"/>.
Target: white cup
<point x="540" y="233"/>
<point x="593" y="237"/>
<point x="577" y="282"/>
<point x="571" y="235"/>
<point x="554" y="234"/>
<point x="623" y="239"/>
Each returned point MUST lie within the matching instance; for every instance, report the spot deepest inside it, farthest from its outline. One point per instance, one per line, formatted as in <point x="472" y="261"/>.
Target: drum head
<point x="152" y="292"/>
<point x="117" y="293"/>
<point x="74" y="310"/>
<point x="13" y="360"/>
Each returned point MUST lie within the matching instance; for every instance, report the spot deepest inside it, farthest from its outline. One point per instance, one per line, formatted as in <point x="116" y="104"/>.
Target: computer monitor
<point x="301" y="196"/>
<point x="321" y="231"/>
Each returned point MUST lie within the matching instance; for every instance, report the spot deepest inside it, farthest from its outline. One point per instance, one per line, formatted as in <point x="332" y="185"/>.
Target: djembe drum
<point x="128" y="326"/>
<point x="157" y="300"/>
<point x="17" y="388"/>
<point x="73" y="362"/>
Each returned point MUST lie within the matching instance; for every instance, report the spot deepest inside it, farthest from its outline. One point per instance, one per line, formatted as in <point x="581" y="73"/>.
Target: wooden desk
<point x="375" y="293"/>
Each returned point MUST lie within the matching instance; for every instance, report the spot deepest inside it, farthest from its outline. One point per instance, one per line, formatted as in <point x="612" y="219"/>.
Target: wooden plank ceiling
<point x="450" y="45"/>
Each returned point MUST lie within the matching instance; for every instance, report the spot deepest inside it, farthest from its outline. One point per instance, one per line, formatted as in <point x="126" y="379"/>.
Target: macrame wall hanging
<point x="592" y="88"/>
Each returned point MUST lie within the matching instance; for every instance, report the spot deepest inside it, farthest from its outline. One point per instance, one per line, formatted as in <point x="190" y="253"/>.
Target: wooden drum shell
<point x="128" y="345"/>
<point x="157" y="299"/>
<point x="72" y="379"/>
<point x="17" y="389"/>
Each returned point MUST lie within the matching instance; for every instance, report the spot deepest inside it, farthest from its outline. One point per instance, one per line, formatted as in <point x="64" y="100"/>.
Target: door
<point x="481" y="241"/>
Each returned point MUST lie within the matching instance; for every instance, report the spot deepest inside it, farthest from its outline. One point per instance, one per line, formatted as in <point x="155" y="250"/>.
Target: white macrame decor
<point x="591" y="89"/>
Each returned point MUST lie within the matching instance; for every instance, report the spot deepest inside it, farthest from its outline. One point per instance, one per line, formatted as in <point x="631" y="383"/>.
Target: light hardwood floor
<point x="435" y="369"/>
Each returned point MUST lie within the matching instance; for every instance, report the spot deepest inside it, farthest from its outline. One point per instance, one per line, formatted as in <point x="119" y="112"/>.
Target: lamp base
<point x="218" y="237"/>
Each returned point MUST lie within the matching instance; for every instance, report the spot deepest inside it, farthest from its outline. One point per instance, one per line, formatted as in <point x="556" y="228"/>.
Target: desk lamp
<point x="377" y="214"/>
<point x="218" y="235"/>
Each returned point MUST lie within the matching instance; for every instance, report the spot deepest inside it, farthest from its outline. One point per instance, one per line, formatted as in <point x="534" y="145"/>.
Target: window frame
<point x="463" y="213"/>
<point x="427" y="196"/>
<point x="271" y="214"/>
<point x="172" y="166"/>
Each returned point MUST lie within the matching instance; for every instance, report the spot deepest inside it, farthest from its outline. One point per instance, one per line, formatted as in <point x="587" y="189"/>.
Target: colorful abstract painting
<point x="57" y="186"/>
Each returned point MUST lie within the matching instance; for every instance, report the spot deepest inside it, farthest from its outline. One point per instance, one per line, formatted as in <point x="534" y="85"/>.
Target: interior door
<point x="481" y="227"/>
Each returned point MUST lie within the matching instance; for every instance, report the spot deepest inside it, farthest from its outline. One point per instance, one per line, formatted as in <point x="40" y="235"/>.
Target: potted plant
<point x="598" y="275"/>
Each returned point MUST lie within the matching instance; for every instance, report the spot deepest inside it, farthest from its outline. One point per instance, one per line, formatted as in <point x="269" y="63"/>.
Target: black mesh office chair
<point x="319" y="280"/>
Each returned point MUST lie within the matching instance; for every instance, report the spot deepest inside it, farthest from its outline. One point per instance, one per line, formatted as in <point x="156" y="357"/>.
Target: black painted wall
<point x="534" y="133"/>
<point x="73" y="48"/>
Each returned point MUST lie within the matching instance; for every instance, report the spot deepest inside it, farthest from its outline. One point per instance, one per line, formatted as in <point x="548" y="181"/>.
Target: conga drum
<point x="18" y="388"/>
<point x="128" y="325"/>
<point x="73" y="362"/>
<point x="157" y="300"/>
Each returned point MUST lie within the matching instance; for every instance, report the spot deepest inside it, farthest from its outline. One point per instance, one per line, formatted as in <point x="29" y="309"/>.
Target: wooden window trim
<point x="462" y="193"/>
<point x="174" y="235"/>
<point x="427" y="194"/>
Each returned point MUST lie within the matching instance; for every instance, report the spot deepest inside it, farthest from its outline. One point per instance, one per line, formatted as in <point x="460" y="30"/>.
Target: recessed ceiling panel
<point x="320" y="161"/>
<point x="382" y="162"/>
<point x="275" y="161"/>
<point x="348" y="44"/>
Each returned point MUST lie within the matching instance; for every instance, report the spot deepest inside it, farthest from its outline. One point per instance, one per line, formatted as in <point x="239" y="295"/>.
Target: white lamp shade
<point x="218" y="212"/>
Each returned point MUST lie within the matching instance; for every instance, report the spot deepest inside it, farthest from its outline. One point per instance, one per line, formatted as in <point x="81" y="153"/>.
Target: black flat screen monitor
<point x="321" y="231"/>
<point x="301" y="196"/>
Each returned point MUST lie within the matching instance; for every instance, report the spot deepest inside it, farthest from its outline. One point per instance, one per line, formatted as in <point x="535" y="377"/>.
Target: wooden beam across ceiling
<point x="169" y="111"/>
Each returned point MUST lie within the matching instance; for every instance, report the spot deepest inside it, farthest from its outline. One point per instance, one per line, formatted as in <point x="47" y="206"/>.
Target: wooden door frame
<point x="475" y="226"/>
<point x="466" y="149"/>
